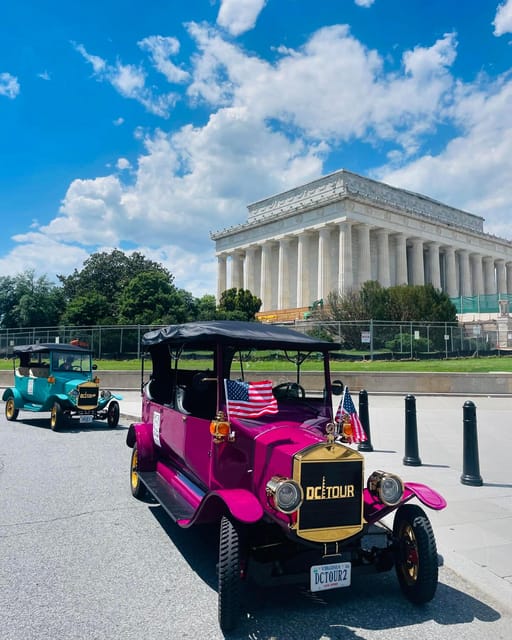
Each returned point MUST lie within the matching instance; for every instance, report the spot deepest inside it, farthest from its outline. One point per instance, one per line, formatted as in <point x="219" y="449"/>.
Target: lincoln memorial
<point x="337" y="232"/>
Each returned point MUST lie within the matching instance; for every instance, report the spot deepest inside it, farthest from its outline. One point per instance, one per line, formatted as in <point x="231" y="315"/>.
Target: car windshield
<point x="66" y="361"/>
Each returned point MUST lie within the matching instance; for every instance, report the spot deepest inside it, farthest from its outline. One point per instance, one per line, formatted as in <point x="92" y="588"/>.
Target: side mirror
<point x="337" y="387"/>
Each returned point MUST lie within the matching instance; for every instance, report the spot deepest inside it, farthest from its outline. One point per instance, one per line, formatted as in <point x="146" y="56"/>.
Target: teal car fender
<point x="12" y="392"/>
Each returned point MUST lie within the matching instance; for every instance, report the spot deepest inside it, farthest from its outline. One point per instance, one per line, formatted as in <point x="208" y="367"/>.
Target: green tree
<point x="89" y="309"/>
<point x="107" y="274"/>
<point x="239" y="304"/>
<point x="206" y="308"/>
<point x="27" y="301"/>
<point x="151" y="298"/>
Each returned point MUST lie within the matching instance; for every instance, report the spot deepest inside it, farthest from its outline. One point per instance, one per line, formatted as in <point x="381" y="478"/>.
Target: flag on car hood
<point x="249" y="399"/>
<point x="347" y="415"/>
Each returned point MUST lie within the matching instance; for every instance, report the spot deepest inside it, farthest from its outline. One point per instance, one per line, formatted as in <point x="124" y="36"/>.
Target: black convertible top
<point x="46" y="347"/>
<point x="236" y="334"/>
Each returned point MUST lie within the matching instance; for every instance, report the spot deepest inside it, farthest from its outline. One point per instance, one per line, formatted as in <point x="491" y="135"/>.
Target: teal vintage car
<point x="61" y="379"/>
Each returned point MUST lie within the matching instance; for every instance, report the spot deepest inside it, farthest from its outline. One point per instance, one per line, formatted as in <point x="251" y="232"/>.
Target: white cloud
<point x="503" y="19"/>
<point x="160" y="49"/>
<point x="44" y="75"/>
<point x="130" y="81"/>
<point x="122" y="164"/>
<point x="118" y="122"/>
<point x="353" y="95"/>
<point x="472" y="171"/>
<point x="9" y="85"/>
<point x="239" y="16"/>
<point x="364" y="3"/>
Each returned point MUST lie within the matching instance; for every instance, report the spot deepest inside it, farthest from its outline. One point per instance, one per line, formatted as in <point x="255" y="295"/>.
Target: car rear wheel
<point x="230" y="575"/>
<point x="56" y="417"/>
<point x="113" y="414"/>
<point x="416" y="560"/>
<point x="139" y="491"/>
<point x="11" y="413"/>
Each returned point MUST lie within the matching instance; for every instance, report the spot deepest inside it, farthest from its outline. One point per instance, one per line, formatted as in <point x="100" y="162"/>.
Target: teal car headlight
<point x="105" y="395"/>
<point x="73" y="394"/>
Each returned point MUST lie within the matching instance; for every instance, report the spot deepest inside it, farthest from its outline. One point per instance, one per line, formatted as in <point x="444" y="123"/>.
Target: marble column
<point x="250" y="270"/>
<point x="266" y="277"/>
<point x="501" y="276"/>
<point x="508" y="267"/>
<point x="237" y="270"/>
<point x="363" y="257"/>
<point x="345" y="270"/>
<point x="221" y="275"/>
<point x="418" y="269"/>
<point x="383" y="273"/>
<point x="323" y="263"/>
<point x="401" y="259"/>
<point x="477" y="274"/>
<point x="303" y="288"/>
<point x="466" y="286"/>
<point x="434" y="268"/>
<point x="451" y="272"/>
<point x="283" y="278"/>
<point x="489" y="275"/>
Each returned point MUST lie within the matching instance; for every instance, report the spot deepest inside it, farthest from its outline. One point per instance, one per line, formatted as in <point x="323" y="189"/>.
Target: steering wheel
<point x="288" y="391"/>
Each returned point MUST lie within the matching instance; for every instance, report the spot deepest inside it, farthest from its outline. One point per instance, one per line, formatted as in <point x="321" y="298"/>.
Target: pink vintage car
<point x="274" y="463"/>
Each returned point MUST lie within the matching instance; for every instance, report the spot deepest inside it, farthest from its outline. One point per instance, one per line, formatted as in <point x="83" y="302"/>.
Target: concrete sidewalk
<point x="474" y="532"/>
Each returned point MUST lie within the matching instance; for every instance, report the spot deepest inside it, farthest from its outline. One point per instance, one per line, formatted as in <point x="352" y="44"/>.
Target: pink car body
<point x="288" y="488"/>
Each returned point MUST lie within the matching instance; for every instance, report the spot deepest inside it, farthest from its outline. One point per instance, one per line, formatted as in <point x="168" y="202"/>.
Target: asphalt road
<point x="81" y="559"/>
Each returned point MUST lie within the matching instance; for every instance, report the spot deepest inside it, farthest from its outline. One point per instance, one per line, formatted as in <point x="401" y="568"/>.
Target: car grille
<point x="87" y="396"/>
<point x="331" y="476"/>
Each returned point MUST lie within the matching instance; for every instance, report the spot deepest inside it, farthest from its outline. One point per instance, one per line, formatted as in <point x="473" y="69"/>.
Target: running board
<point x="165" y="494"/>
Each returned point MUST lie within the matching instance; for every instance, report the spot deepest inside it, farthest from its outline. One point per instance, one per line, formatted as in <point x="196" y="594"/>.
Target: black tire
<point x="113" y="413"/>
<point x="138" y="489"/>
<point x="416" y="561"/>
<point x="229" y="576"/>
<point x="56" y="417"/>
<point x="11" y="413"/>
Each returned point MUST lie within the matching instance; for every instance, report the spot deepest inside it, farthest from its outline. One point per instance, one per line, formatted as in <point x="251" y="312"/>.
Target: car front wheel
<point x="56" y="417"/>
<point x="113" y="414"/>
<point x="11" y="413"/>
<point x="416" y="559"/>
<point x="229" y="575"/>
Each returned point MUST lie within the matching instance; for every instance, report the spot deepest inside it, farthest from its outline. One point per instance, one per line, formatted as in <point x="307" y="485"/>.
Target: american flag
<point x="249" y="399"/>
<point x="348" y="410"/>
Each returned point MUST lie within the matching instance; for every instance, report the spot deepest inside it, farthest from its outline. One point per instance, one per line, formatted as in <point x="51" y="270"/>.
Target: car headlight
<point x="106" y="395"/>
<point x="285" y="495"/>
<point x="387" y="486"/>
<point x="73" y="394"/>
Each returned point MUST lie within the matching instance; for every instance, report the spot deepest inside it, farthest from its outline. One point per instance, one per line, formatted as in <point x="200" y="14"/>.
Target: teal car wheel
<point x="56" y="417"/>
<point x="113" y="413"/>
<point x="11" y="413"/>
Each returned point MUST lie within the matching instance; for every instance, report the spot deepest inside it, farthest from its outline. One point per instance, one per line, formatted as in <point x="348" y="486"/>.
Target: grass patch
<point x="451" y="365"/>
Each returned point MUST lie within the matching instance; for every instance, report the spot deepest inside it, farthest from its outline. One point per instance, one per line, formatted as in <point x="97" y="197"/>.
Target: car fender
<point x="428" y="496"/>
<point x="141" y="433"/>
<point x="242" y="505"/>
<point x="375" y="510"/>
<point x="12" y="392"/>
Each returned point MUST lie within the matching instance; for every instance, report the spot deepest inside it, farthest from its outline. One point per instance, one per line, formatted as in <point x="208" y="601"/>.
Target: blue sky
<point x="147" y="125"/>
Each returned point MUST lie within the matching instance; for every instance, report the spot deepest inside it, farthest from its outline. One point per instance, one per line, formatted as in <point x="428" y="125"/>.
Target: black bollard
<point x="365" y="421"/>
<point x="471" y="466"/>
<point x="411" y="458"/>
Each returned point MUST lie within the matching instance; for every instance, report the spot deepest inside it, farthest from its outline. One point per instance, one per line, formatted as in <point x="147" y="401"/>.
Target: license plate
<point x="85" y="418"/>
<point x="330" y="576"/>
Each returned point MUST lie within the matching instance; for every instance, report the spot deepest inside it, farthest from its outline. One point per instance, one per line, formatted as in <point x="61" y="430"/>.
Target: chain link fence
<point x="370" y="339"/>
